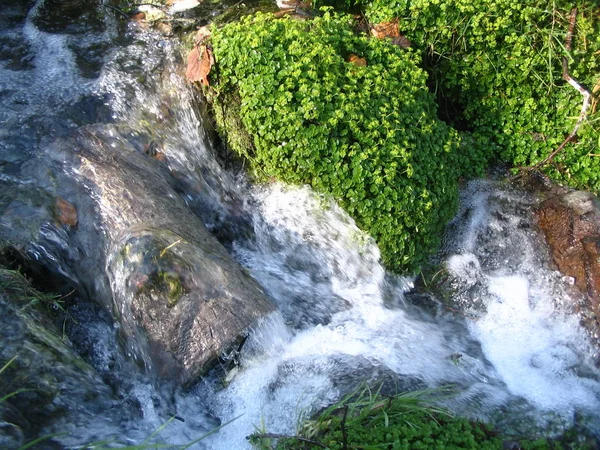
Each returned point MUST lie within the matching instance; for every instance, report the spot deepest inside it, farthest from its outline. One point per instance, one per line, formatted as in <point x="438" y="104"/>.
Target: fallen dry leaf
<point x="200" y="61"/>
<point x="390" y="30"/>
<point x="357" y="61"/>
<point x="139" y="17"/>
<point x="386" y="29"/>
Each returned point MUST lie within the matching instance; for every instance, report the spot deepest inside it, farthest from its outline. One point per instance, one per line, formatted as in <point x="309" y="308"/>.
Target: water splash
<point x="342" y="319"/>
<point x="334" y="329"/>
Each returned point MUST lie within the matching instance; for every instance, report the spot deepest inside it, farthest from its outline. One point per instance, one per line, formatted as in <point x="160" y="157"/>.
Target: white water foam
<point x="536" y="350"/>
<point x="334" y="329"/>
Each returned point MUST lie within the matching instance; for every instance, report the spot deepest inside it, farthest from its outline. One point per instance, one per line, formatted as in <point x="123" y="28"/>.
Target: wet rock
<point x="191" y="303"/>
<point x="181" y="299"/>
<point x="47" y="384"/>
<point x="14" y="12"/>
<point x="571" y="224"/>
<point x="15" y="53"/>
<point x="90" y="57"/>
<point x="105" y="216"/>
<point x="69" y="16"/>
<point x="11" y="436"/>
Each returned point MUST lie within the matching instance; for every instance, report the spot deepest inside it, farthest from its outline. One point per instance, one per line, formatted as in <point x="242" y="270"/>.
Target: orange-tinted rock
<point x="65" y="212"/>
<point x="571" y="225"/>
<point x="591" y="246"/>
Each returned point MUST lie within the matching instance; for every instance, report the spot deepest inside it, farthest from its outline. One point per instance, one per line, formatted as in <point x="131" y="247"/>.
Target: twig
<point x="344" y="433"/>
<point x="283" y="436"/>
<point x="168" y="247"/>
<point x="583" y="91"/>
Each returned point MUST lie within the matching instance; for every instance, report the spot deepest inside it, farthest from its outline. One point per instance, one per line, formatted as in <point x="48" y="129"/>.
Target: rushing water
<point x="498" y="328"/>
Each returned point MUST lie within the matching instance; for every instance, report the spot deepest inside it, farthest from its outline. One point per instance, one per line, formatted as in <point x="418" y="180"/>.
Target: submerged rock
<point x="191" y="302"/>
<point x="171" y="280"/>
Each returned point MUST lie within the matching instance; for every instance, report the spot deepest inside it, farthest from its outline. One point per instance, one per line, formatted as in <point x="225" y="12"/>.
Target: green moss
<point x="173" y="288"/>
<point x="368" y="136"/>
<point x="229" y="122"/>
<point x="166" y="284"/>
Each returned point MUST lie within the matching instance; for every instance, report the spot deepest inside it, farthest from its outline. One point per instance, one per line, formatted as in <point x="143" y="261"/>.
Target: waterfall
<point x="499" y="330"/>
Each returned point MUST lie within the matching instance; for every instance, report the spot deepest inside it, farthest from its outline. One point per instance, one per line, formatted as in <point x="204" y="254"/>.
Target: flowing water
<point x="496" y="324"/>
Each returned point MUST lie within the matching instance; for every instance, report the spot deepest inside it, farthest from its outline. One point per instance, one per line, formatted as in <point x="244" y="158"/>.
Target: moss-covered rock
<point x="366" y="134"/>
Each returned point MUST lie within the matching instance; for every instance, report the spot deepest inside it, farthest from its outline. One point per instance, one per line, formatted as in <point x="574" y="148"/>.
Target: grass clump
<point x="497" y="67"/>
<point x="369" y="420"/>
<point x="366" y="134"/>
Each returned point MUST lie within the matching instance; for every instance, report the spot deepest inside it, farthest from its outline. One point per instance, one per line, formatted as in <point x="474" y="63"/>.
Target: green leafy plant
<point x="366" y="134"/>
<point x="497" y="66"/>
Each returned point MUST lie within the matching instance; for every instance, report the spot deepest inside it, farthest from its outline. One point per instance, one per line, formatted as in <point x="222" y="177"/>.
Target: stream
<point x="496" y="323"/>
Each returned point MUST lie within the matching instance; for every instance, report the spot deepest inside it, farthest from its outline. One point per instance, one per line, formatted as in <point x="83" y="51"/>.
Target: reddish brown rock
<point x="65" y="212"/>
<point x="571" y="225"/>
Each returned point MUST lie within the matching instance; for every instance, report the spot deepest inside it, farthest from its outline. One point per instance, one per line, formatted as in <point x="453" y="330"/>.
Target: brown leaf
<point x="200" y="61"/>
<point x="386" y="29"/>
<point x="357" y="61"/>
<point x="401" y="41"/>
<point x="390" y="30"/>
<point x="65" y="212"/>
<point x="139" y="17"/>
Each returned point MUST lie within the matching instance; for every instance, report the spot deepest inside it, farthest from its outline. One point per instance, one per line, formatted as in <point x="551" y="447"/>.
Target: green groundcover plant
<point x="498" y="64"/>
<point x="366" y="419"/>
<point x="366" y="134"/>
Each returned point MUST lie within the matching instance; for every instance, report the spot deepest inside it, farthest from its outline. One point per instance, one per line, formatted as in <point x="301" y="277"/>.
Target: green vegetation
<point x="367" y="135"/>
<point x="13" y="283"/>
<point x="407" y="421"/>
<point x="496" y="67"/>
<point x="290" y="100"/>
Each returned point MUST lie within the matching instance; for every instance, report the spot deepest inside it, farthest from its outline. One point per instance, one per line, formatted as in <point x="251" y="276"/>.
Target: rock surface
<point x="108" y="221"/>
<point x="43" y="381"/>
<point x="118" y="212"/>
<point x="571" y="224"/>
